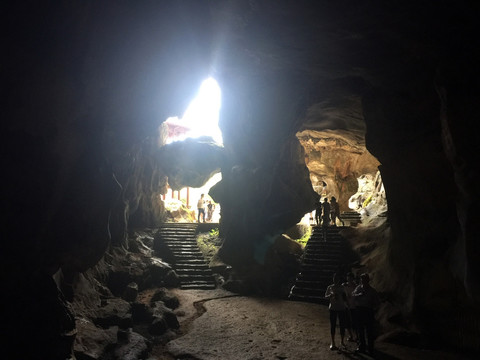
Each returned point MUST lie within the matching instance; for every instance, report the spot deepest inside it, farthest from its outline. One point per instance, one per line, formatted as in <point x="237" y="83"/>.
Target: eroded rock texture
<point x="87" y="85"/>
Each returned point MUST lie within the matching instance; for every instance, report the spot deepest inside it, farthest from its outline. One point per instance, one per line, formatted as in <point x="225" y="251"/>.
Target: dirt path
<point x="218" y="325"/>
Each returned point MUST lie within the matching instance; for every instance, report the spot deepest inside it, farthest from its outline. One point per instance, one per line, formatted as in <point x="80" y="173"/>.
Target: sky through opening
<point x="201" y="116"/>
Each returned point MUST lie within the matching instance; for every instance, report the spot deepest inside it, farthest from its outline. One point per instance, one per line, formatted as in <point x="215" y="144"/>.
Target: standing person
<point x="201" y="208"/>
<point x="326" y="212"/>
<point x="318" y="212"/>
<point x="335" y="211"/>
<point x="367" y="300"/>
<point x="351" y="325"/>
<point x="210" y="209"/>
<point x="337" y="308"/>
<point x="325" y="218"/>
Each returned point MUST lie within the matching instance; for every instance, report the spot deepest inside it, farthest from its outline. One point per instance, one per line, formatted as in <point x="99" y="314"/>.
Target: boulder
<point x="162" y="294"/>
<point x="91" y="341"/>
<point x="156" y="272"/>
<point x="131" y="292"/>
<point x="141" y="313"/>
<point x="171" y="279"/>
<point x="114" y="312"/>
<point x="161" y="311"/>
<point x="132" y="346"/>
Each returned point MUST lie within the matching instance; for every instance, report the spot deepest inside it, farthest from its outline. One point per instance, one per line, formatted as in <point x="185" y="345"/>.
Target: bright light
<point x="201" y="116"/>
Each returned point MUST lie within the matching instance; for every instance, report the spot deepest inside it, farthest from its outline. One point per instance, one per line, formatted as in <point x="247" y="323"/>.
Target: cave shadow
<point x="379" y="355"/>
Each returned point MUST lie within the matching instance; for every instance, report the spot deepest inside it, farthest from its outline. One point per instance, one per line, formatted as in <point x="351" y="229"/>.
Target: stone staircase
<point x="179" y="241"/>
<point x="351" y="218"/>
<point x="320" y="260"/>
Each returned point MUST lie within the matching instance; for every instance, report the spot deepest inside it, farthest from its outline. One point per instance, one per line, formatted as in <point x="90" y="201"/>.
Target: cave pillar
<point x="265" y="187"/>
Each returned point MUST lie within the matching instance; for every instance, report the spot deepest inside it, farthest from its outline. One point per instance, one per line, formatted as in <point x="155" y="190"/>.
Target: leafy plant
<point x="215" y="232"/>
<point x="209" y="243"/>
<point x="304" y="239"/>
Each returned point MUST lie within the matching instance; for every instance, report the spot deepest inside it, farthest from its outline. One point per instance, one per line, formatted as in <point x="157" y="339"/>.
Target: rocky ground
<point x="219" y="325"/>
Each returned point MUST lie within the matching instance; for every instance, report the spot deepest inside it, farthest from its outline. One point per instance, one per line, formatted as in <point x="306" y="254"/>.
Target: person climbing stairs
<point x="320" y="260"/>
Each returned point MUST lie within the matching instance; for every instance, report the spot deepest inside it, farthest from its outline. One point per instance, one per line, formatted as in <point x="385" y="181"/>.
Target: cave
<point x="311" y="92"/>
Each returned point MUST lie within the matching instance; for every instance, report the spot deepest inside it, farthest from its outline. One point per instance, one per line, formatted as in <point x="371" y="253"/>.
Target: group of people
<point x="201" y="205"/>
<point x="354" y="306"/>
<point x="326" y="212"/>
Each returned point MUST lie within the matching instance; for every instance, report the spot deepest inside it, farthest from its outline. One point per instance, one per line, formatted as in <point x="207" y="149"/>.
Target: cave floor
<point x="216" y="324"/>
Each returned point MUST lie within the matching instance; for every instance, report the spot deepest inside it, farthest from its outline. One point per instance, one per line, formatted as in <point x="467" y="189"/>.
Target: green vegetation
<point x="209" y="243"/>
<point x="304" y="239"/>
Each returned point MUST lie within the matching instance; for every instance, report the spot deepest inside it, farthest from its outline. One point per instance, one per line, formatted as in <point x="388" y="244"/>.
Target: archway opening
<point x="201" y="116"/>
<point x="199" y="124"/>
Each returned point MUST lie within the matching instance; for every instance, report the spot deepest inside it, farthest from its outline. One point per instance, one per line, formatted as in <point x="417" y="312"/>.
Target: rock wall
<point x="85" y="88"/>
<point x="87" y="85"/>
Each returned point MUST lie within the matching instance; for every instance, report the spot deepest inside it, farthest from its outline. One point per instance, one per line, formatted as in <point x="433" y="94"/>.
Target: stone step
<point x="189" y="253"/>
<point x="321" y="257"/>
<point x="191" y="279"/>
<point x="304" y="268"/>
<point x="190" y="265"/>
<point x="325" y="246"/>
<point x="198" y="286"/>
<point x="191" y="261"/>
<point x="193" y="271"/>
<point x="317" y="256"/>
<point x="179" y="224"/>
<point x="177" y="236"/>
<point x="170" y="237"/>
<point x="176" y="233"/>
<point x="181" y="242"/>
<point x="316" y="272"/>
<point x="185" y="248"/>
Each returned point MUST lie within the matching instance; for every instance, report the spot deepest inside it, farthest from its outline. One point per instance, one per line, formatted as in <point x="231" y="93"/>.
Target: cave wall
<point x="391" y="57"/>
<point x="265" y="187"/>
<point x="87" y="85"/>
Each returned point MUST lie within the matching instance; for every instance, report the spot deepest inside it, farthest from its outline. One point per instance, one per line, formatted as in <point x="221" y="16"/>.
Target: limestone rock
<point x="172" y="279"/>
<point x="92" y="341"/>
<point x="162" y="311"/>
<point x="141" y="313"/>
<point x="133" y="347"/>
<point x="114" y="312"/>
<point x="131" y="292"/>
<point x="170" y="300"/>
<point x="191" y="162"/>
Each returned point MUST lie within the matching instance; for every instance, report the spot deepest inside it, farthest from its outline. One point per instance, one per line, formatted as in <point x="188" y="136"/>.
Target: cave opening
<point x="201" y="116"/>
<point x="199" y="123"/>
<point x="333" y="139"/>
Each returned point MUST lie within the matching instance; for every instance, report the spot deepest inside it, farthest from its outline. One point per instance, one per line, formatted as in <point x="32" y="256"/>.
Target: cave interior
<point x="311" y="92"/>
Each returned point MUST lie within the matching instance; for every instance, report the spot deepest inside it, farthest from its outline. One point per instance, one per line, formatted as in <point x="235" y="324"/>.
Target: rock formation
<point x="87" y="85"/>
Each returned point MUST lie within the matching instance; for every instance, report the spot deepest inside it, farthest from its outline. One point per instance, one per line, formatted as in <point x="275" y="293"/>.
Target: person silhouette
<point x="318" y="212"/>
<point x="201" y="208"/>
<point x="366" y="300"/>
<point x="351" y="318"/>
<point x="335" y="211"/>
<point x="337" y="309"/>
<point x="210" y="210"/>
<point x="325" y="217"/>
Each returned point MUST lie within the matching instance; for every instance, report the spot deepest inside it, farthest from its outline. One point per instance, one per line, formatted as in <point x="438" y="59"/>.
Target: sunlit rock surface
<point x="338" y="158"/>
